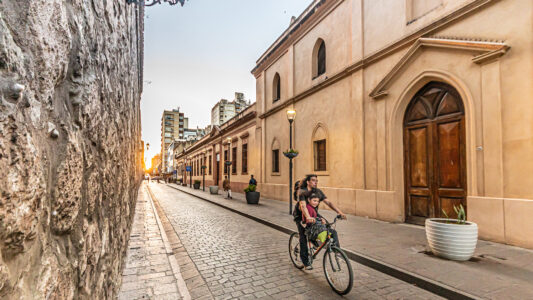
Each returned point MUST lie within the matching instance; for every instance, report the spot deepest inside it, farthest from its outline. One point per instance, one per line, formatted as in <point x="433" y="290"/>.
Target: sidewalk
<point x="496" y="271"/>
<point x="148" y="273"/>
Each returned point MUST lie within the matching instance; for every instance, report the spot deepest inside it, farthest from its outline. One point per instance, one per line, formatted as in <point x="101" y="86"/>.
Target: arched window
<point x="319" y="58"/>
<point x="320" y="137"/>
<point x="275" y="156"/>
<point x="276" y="88"/>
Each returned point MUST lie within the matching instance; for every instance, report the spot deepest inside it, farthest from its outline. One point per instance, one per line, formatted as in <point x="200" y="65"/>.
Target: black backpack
<point x="296" y="212"/>
<point x="296" y="188"/>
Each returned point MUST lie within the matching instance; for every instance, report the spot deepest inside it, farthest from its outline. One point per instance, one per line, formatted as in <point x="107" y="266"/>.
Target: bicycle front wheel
<point x="338" y="270"/>
<point x="294" y="250"/>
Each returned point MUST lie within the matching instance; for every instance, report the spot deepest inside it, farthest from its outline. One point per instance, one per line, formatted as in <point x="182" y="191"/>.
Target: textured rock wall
<point x="70" y="149"/>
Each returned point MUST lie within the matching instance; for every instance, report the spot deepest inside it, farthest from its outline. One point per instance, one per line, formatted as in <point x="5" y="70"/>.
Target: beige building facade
<point x="236" y="141"/>
<point x="405" y="109"/>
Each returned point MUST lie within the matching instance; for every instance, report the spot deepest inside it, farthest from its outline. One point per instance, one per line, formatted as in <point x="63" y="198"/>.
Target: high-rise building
<point x="225" y="110"/>
<point x="173" y="125"/>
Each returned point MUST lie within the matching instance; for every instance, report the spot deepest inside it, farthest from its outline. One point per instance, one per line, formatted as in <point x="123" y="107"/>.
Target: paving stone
<point x="147" y="265"/>
<point x="160" y="289"/>
<point x="251" y="259"/>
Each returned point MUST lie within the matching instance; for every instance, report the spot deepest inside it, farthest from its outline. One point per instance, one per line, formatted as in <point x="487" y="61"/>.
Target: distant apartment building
<point x="191" y="134"/>
<point x="173" y="125"/>
<point x="225" y="110"/>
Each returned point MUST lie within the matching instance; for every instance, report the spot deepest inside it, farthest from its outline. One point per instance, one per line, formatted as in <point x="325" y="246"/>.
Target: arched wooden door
<point x="434" y="143"/>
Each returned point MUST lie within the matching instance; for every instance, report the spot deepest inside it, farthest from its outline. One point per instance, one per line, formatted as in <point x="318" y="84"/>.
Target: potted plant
<point x="291" y="153"/>
<point x="197" y="184"/>
<point x="213" y="190"/>
<point x="453" y="239"/>
<point x="252" y="197"/>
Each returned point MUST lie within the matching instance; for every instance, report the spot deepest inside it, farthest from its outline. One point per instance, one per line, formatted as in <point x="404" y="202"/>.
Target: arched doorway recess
<point x="434" y="158"/>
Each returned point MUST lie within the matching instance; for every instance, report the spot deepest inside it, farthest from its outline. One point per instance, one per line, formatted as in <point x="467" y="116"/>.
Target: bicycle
<point x="335" y="262"/>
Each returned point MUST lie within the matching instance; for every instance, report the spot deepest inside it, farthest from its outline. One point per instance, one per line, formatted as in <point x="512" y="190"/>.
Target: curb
<point x="182" y="286"/>
<point x="427" y="284"/>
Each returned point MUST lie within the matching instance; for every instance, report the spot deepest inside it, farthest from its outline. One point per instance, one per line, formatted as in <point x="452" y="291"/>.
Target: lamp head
<point x="291" y="115"/>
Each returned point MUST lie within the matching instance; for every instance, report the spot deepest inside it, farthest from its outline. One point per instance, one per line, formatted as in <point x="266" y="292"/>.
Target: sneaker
<point x="308" y="268"/>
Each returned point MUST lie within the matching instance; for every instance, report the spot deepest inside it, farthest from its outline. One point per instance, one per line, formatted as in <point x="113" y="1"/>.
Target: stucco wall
<point x="365" y="134"/>
<point x="280" y="67"/>
<point x="385" y="26"/>
<point x="334" y="29"/>
<point x="70" y="149"/>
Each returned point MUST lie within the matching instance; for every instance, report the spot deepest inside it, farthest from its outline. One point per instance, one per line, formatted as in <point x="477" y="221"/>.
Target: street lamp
<point x="291" y="115"/>
<point x="203" y="175"/>
<point x="227" y="163"/>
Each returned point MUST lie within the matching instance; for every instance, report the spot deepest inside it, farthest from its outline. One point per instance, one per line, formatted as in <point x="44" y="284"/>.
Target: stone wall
<point x="70" y="148"/>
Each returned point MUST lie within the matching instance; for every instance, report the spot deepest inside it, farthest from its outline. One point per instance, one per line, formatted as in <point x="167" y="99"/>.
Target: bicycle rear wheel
<point x="338" y="270"/>
<point x="294" y="250"/>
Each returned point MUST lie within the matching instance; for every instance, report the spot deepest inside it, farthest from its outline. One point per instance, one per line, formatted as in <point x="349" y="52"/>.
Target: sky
<point x="202" y="52"/>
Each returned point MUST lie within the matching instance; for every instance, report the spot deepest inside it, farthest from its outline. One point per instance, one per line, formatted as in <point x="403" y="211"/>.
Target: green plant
<point x="461" y="214"/>
<point x="291" y="151"/>
<point x="250" y="188"/>
<point x="197" y="181"/>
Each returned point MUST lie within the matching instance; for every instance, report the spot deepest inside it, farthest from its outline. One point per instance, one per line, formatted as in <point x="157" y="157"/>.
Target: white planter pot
<point x="451" y="240"/>
<point x="213" y="189"/>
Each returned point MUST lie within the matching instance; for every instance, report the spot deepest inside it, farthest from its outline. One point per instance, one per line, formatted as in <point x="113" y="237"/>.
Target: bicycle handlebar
<point x="338" y="217"/>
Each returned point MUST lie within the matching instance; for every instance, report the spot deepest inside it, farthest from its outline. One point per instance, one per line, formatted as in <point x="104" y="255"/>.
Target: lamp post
<point x="291" y="115"/>
<point x="183" y="166"/>
<point x="203" y="170"/>
<point x="228" y="161"/>
<point x="203" y="175"/>
<point x="228" y="164"/>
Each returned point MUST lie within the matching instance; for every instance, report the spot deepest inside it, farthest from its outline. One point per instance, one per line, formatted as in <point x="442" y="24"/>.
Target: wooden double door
<point x="434" y="143"/>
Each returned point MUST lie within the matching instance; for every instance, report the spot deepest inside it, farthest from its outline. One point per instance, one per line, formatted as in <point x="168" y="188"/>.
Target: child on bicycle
<point x="317" y="231"/>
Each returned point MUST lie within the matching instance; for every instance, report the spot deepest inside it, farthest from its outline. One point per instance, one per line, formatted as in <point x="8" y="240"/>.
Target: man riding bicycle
<point x="309" y="184"/>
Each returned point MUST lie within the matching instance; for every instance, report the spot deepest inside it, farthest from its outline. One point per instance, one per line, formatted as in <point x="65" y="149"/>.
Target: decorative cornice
<point x="488" y="51"/>
<point x="408" y="40"/>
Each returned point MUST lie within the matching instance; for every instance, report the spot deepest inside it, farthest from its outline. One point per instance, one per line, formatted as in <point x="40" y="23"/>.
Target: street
<point x="239" y="258"/>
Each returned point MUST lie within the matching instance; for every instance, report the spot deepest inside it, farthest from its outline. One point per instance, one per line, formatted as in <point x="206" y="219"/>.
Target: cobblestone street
<point x="239" y="258"/>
